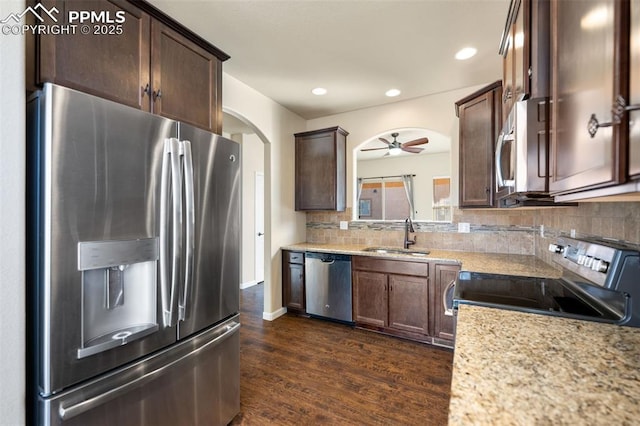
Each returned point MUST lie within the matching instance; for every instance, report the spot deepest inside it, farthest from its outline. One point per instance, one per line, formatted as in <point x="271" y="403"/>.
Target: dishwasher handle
<point x="328" y="261"/>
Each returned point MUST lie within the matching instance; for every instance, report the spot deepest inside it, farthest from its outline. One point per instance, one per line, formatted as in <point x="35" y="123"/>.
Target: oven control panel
<point x="597" y="260"/>
<point x="594" y="258"/>
<point x="589" y="259"/>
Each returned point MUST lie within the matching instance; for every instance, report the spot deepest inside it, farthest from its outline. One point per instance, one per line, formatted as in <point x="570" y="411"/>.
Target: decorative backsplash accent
<point x="515" y="231"/>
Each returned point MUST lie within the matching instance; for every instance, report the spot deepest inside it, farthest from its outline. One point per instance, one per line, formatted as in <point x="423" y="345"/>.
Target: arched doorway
<point x="256" y="225"/>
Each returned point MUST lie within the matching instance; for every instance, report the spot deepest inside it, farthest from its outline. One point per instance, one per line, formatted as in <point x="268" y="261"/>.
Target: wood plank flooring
<point x="301" y="371"/>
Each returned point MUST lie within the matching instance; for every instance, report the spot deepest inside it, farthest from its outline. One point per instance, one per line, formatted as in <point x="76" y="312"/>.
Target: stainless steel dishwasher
<point x="328" y="285"/>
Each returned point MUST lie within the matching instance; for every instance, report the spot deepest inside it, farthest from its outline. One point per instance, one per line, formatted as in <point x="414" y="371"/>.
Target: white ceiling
<point x="356" y="49"/>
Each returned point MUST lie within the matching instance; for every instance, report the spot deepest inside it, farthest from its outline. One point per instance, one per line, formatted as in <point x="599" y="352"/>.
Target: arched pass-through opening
<point x="241" y="129"/>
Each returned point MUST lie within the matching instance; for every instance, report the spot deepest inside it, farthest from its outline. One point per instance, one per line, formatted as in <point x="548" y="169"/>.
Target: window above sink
<point x="393" y="186"/>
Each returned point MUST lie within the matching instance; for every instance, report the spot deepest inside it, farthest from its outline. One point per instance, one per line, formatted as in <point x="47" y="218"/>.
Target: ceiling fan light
<point x="319" y="91"/>
<point x="394" y="151"/>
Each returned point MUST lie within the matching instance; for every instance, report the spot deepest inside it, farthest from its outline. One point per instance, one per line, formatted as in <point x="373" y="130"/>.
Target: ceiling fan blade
<point x="374" y="149"/>
<point x="416" y="142"/>
<point x="385" y="141"/>
<point x="411" y="149"/>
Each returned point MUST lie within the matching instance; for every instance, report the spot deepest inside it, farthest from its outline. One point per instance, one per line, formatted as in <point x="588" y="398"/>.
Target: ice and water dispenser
<point x="119" y="292"/>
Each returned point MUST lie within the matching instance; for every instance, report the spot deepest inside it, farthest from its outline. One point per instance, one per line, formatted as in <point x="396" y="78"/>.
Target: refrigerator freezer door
<point x="196" y="382"/>
<point x="213" y="292"/>
<point x="96" y="178"/>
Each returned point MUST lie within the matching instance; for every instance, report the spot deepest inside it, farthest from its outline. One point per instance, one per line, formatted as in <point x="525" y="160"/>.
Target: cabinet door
<point x="112" y="66"/>
<point x="634" y="92"/>
<point x="409" y="303"/>
<point x="321" y="170"/>
<point x="370" y="300"/>
<point x="445" y="278"/>
<point x="479" y="118"/>
<point x="585" y="84"/>
<point x="519" y="63"/>
<point x="508" y="82"/>
<point x="186" y="79"/>
<point x="293" y="286"/>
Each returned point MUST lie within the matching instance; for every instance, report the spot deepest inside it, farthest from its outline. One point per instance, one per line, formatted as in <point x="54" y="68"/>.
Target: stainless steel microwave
<point x="522" y="156"/>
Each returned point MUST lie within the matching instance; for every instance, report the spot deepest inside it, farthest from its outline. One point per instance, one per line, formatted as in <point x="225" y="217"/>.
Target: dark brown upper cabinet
<point x="590" y="85"/>
<point x="525" y="51"/>
<point x="148" y="62"/>
<point x="480" y="117"/>
<point x="320" y="169"/>
<point x="187" y="79"/>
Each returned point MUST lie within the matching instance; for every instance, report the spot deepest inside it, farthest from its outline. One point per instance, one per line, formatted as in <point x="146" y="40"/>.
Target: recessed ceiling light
<point x="466" y="53"/>
<point x="319" y="91"/>
<point x="392" y="93"/>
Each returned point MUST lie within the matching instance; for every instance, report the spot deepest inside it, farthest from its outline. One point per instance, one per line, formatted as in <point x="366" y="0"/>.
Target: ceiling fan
<point x="396" y="147"/>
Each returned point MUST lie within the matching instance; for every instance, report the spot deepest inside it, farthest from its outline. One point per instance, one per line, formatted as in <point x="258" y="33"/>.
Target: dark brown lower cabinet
<point x="407" y="299"/>
<point x="446" y="276"/>
<point x="391" y="296"/>
<point x="293" y="295"/>
<point x="409" y="303"/>
<point x="370" y="298"/>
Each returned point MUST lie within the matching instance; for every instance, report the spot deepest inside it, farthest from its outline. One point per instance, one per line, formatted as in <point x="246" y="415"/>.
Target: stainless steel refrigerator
<point x="133" y="288"/>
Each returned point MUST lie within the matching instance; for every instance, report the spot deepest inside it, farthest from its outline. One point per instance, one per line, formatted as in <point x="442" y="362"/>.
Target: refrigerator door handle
<point x="76" y="409"/>
<point x="189" y="229"/>
<point x="171" y="187"/>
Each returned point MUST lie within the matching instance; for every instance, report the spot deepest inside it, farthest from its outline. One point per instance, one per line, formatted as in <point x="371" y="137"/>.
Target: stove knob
<point x="556" y="248"/>
<point x="581" y="259"/>
<point x="600" y="266"/>
<point x="588" y="261"/>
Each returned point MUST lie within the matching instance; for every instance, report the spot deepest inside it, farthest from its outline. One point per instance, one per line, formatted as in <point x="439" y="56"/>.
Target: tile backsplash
<point x="515" y="231"/>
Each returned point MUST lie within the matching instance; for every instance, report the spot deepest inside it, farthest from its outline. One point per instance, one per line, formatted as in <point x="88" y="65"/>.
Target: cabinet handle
<point x="448" y="311"/>
<point x="157" y="94"/>
<point x="147" y="90"/>
<point x="506" y="96"/>
<point x="617" y="110"/>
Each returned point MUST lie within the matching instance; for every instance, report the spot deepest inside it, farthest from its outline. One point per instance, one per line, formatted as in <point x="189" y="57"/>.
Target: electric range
<point x="600" y="282"/>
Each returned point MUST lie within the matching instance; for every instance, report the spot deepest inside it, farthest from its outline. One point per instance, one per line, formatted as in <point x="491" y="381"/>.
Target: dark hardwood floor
<point x="302" y="371"/>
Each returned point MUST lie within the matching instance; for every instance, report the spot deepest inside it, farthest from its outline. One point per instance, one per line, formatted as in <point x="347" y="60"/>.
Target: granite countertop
<point x="517" y="368"/>
<point x="493" y="263"/>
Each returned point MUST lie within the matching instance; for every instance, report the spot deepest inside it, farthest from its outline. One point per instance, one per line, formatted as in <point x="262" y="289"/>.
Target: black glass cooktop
<point x="558" y="297"/>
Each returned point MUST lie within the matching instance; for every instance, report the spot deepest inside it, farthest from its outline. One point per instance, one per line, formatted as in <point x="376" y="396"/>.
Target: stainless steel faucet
<point x="408" y="227"/>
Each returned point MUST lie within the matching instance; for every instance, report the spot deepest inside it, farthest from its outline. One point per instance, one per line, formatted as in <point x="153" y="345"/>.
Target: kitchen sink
<point x="396" y="250"/>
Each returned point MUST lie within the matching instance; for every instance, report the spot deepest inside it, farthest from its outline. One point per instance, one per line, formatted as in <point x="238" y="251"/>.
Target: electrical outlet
<point x="573" y="233"/>
<point x="344" y="225"/>
<point x="542" y="231"/>
<point x="464" y="227"/>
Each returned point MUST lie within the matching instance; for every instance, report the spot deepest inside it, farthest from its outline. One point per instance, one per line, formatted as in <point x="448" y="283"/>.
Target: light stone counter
<point x="512" y="264"/>
<point x="513" y="368"/>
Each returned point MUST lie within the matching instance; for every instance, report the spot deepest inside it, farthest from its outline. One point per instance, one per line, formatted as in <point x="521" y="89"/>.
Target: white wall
<point x="283" y="225"/>
<point x="424" y="167"/>
<point x="435" y="112"/>
<point x="12" y="214"/>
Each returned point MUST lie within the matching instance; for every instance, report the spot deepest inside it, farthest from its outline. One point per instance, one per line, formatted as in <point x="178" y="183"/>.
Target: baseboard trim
<point x="249" y="284"/>
<point x="270" y="316"/>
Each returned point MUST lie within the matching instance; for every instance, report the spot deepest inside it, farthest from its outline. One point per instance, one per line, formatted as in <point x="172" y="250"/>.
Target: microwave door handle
<point x="498" y="155"/>
<point x="189" y="229"/>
